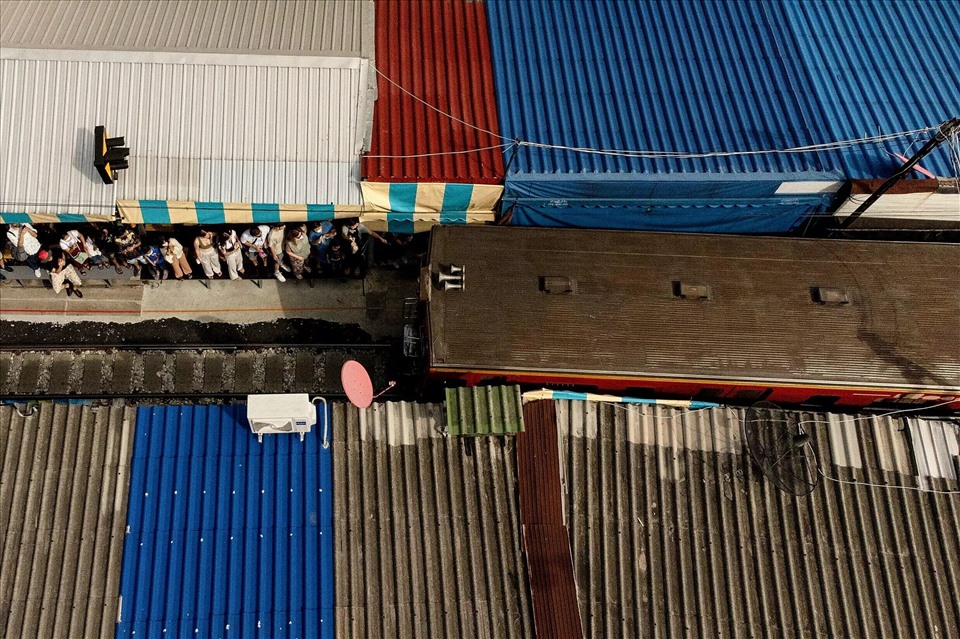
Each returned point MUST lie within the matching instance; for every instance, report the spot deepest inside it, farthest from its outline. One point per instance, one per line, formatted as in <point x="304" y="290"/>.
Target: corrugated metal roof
<point x="301" y="27"/>
<point x="427" y="529"/>
<point x="759" y="323"/>
<point x="226" y="537"/>
<point x="674" y="532"/>
<point x="439" y="52"/>
<point x="681" y="76"/>
<point x="200" y="127"/>
<point x="64" y="474"/>
<point x="484" y="410"/>
<point x="546" y="543"/>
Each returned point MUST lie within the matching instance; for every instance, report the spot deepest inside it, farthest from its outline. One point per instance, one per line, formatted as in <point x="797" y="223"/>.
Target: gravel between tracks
<point x="173" y="331"/>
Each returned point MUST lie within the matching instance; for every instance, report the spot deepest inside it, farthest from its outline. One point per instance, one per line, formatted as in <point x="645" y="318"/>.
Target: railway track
<point x="196" y="373"/>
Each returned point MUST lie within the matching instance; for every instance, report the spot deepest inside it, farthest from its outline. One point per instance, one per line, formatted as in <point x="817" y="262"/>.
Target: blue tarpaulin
<point x="766" y="217"/>
<point x="681" y="77"/>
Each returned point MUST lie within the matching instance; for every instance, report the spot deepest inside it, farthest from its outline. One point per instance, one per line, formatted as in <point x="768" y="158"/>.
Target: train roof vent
<point x="557" y="284"/>
<point x="831" y="296"/>
<point x="691" y="290"/>
<point x="452" y="277"/>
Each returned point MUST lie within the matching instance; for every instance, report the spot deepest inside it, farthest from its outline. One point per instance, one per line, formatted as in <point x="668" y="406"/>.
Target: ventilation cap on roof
<point x="832" y="296"/>
<point x="691" y="290"/>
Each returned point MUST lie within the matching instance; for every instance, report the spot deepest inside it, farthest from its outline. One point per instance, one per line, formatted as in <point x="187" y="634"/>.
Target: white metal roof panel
<point x="314" y="27"/>
<point x="200" y="127"/>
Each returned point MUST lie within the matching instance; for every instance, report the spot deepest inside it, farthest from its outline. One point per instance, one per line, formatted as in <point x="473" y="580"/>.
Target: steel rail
<point x="167" y="397"/>
<point x="17" y="348"/>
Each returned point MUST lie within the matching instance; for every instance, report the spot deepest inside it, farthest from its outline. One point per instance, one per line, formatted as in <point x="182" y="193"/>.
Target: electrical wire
<point x="911" y="409"/>
<point x="442" y="153"/>
<point x="647" y="154"/>
<point x="685" y="412"/>
<point x="437" y="109"/>
<point x="892" y="486"/>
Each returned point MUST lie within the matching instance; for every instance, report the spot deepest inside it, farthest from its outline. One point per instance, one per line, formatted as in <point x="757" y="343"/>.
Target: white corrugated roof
<point x="316" y="27"/>
<point x="202" y="127"/>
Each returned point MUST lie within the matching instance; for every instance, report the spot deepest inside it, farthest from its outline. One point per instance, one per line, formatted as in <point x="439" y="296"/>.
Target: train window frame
<point x="821" y="401"/>
<point x="750" y="394"/>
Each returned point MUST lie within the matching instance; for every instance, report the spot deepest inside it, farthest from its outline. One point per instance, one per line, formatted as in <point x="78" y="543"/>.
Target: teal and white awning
<point x="53" y="218"/>
<point x="415" y="207"/>
<point x="180" y="212"/>
<point x="548" y="394"/>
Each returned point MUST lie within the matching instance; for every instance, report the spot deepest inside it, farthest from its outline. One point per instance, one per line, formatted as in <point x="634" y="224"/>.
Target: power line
<point x="680" y="155"/>
<point x="442" y="153"/>
<point x="437" y="109"/>
<point x="891" y="486"/>
<point x="649" y="154"/>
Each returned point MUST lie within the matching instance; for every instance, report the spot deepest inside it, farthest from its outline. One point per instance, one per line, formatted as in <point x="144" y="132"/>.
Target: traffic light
<point x="109" y="155"/>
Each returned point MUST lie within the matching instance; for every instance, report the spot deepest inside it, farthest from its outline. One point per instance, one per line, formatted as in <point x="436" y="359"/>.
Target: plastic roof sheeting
<point x="680" y="76"/>
<point x="226" y="536"/>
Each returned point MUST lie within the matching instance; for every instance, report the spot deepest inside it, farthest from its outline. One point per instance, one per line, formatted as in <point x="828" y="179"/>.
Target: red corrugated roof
<point x="546" y="544"/>
<point x="439" y="52"/>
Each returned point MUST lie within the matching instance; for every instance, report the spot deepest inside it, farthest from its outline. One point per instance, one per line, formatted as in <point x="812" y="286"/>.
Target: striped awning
<point x="536" y="395"/>
<point x="179" y="212"/>
<point x="53" y="218"/>
<point x="415" y="207"/>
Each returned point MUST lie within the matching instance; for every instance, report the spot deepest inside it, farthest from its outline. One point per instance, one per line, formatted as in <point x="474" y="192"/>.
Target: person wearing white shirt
<point x="255" y="240"/>
<point x="232" y="253"/>
<point x="26" y="246"/>
<point x="174" y="254"/>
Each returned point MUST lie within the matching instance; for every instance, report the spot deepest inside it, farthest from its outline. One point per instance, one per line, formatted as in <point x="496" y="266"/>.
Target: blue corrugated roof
<point x="722" y="75"/>
<point x="226" y="537"/>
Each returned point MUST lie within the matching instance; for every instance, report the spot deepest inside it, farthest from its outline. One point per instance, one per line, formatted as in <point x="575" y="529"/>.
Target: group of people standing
<point x="324" y="247"/>
<point x="286" y="248"/>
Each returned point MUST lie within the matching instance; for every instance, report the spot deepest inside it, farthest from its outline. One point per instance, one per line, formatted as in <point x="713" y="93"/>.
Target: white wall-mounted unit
<point x="282" y="413"/>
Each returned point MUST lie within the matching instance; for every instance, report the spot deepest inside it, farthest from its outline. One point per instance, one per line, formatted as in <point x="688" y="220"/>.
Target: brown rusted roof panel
<point x="760" y="321"/>
<point x="439" y="53"/>
<point x="553" y="591"/>
<point x="538" y="464"/>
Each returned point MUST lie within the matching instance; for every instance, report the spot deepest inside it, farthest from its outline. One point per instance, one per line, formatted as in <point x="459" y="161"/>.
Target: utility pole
<point x="944" y="131"/>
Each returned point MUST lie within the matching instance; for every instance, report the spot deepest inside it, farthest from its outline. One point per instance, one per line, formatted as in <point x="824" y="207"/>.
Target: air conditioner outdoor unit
<point x="286" y="413"/>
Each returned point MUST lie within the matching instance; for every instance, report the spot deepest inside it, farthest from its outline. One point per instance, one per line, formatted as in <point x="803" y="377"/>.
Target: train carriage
<point x="717" y="317"/>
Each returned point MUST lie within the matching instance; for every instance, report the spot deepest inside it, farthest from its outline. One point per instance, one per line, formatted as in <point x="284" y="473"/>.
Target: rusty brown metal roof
<point x="674" y="533"/>
<point x="64" y="483"/>
<point x="761" y="321"/>
<point x="553" y="590"/>
<point x="439" y="53"/>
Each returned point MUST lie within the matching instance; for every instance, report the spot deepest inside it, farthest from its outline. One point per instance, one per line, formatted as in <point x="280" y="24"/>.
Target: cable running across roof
<point x="440" y="153"/>
<point x="824" y="146"/>
<point x="685" y="412"/>
<point x="644" y="154"/>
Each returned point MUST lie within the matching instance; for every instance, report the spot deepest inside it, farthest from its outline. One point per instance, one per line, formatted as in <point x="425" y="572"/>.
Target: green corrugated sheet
<point x="484" y="410"/>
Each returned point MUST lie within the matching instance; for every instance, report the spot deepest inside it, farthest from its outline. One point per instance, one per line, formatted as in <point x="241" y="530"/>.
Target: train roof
<point x="763" y="319"/>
